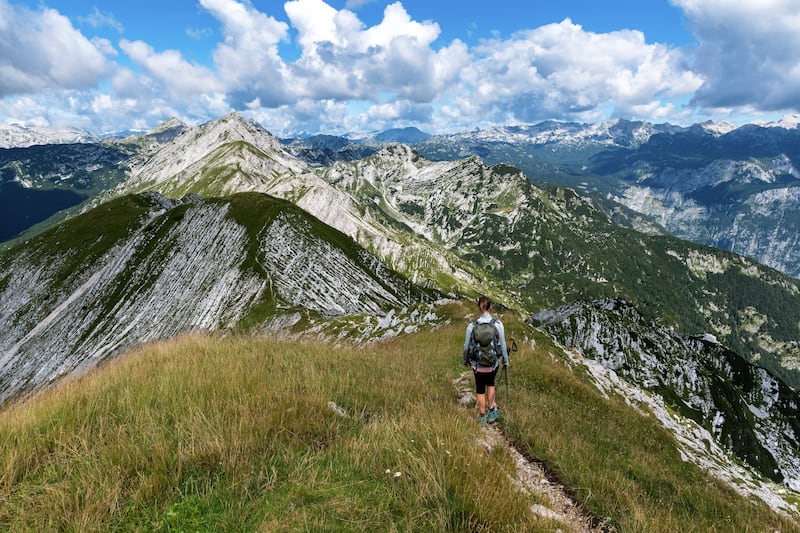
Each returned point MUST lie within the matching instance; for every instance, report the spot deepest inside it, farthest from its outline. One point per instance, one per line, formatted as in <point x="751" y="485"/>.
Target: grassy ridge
<point x="236" y="434"/>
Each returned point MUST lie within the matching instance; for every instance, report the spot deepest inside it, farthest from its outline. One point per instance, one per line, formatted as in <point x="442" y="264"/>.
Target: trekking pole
<point x="513" y="349"/>
<point x="508" y="402"/>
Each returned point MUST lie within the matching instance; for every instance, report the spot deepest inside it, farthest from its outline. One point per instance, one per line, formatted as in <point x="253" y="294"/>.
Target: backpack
<point x="485" y="344"/>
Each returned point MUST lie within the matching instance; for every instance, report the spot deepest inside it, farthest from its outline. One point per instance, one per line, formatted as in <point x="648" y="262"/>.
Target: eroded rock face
<point x="83" y="292"/>
<point x="747" y="409"/>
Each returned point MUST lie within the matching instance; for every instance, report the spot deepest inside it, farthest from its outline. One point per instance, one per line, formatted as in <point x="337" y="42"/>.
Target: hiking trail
<point x="532" y="477"/>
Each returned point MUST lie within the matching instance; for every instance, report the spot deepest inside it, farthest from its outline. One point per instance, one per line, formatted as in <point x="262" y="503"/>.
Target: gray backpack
<point x="485" y="344"/>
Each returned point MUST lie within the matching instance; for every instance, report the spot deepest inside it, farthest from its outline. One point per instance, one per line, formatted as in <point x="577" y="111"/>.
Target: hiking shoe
<point x="493" y="415"/>
<point x="482" y="420"/>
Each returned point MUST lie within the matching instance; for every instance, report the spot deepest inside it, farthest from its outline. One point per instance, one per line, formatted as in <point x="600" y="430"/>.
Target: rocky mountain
<point x="746" y="409"/>
<point x="324" y="150"/>
<point x="466" y="228"/>
<point x="732" y="188"/>
<point x="738" y="191"/>
<point x="39" y="181"/>
<point x="553" y="246"/>
<point x="144" y="267"/>
<point x="18" y="136"/>
<point x="233" y="155"/>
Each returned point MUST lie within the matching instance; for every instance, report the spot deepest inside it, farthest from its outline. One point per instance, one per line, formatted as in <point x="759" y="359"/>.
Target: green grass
<point x="235" y="434"/>
<point x="622" y="464"/>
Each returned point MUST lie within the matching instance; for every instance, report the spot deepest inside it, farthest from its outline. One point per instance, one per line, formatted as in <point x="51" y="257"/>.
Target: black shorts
<point x="483" y="380"/>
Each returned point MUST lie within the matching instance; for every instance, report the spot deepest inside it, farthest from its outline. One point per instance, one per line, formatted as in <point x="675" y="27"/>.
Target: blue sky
<point x="340" y="66"/>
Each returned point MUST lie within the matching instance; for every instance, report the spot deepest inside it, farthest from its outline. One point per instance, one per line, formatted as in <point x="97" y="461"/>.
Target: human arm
<point x="501" y="332"/>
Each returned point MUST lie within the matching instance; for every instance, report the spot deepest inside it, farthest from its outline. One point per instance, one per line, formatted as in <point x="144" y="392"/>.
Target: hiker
<point x="484" y="349"/>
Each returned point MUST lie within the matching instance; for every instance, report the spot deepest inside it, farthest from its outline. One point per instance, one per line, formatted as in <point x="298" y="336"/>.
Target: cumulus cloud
<point x="747" y="52"/>
<point x="41" y="49"/>
<point x="179" y="77"/>
<point x="248" y="59"/>
<point x="563" y="71"/>
<point x="347" y="75"/>
<point x="342" y="59"/>
<point x="394" y="113"/>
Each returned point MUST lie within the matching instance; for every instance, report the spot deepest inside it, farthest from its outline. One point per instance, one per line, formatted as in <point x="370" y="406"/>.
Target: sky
<point x="356" y="66"/>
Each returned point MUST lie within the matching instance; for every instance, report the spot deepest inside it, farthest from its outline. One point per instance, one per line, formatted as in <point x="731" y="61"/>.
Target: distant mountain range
<point x="39" y="181"/>
<point x="18" y="136"/>
<point x="731" y="188"/>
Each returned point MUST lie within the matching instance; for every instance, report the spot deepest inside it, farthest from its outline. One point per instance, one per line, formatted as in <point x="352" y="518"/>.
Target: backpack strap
<point x="498" y="350"/>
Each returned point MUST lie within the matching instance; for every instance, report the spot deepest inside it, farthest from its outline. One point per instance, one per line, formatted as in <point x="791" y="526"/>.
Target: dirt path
<point x="532" y="477"/>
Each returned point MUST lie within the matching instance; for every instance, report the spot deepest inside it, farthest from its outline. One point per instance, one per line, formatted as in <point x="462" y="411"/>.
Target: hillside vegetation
<point x="238" y="434"/>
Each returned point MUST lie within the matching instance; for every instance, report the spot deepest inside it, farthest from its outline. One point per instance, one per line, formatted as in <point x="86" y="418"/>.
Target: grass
<point x="236" y="434"/>
<point x="623" y="465"/>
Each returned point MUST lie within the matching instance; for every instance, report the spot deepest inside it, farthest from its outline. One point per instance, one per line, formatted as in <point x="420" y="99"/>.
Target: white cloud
<point x="306" y="116"/>
<point x="562" y="71"/>
<point x="98" y="19"/>
<point x="178" y="76"/>
<point x="350" y="76"/>
<point x="105" y="46"/>
<point x="344" y="59"/>
<point x="248" y="60"/>
<point x="23" y="110"/>
<point x="747" y="52"/>
<point x="41" y="49"/>
<point x="391" y="114"/>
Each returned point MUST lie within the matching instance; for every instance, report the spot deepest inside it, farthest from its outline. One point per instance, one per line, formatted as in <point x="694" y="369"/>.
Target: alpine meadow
<point x="220" y="330"/>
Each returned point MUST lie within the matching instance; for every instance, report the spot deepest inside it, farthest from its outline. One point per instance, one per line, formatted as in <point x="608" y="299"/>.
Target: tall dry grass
<point x="236" y="434"/>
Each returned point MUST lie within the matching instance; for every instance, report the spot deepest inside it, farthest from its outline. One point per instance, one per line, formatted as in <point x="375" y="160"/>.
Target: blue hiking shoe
<point x="493" y="415"/>
<point x="482" y="420"/>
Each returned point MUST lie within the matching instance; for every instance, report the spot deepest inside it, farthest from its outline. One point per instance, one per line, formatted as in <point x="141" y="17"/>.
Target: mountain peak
<point x="218" y="151"/>
<point x="716" y="128"/>
<point x="790" y="121"/>
<point x="233" y="116"/>
<point x="172" y="123"/>
<point x="398" y="152"/>
<point x="403" y="135"/>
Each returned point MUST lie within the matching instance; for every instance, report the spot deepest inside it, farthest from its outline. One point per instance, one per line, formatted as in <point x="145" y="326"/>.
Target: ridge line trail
<point x="531" y="475"/>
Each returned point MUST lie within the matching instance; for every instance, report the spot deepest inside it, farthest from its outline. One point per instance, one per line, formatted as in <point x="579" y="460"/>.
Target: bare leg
<point x="490" y="391"/>
<point x="481" y="403"/>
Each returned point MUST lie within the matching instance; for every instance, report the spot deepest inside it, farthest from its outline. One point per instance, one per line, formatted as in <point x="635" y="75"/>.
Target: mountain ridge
<point x="472" y="226"/>
<point x="156" y="267"/>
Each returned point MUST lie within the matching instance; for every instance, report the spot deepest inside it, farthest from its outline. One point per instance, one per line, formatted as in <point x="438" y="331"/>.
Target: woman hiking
<point x="484" y="348"/>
